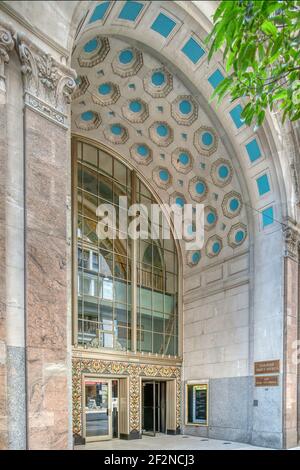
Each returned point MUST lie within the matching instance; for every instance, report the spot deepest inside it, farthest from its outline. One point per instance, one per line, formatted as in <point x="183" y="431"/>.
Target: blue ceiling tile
<point x="193" y="50"/>
<point x="235" y="114"/>
<point x="99" y="12"/>
<point x="163" y="25"/>
<point x="267" y="216"/>
<point x="216" y="78"/>
<point x="253" y="150"/>
<point x="263" y="185"/>
<point x="131" y="10"/>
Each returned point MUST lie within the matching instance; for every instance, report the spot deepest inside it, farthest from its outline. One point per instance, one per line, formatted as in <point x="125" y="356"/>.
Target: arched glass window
<point x="126" y="289"/>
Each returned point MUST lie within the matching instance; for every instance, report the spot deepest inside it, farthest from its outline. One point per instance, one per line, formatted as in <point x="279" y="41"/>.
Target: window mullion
<point x="133" y="274"/>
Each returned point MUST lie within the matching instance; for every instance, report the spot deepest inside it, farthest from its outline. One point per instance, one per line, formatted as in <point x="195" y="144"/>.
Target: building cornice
<point x="83" y="353"/>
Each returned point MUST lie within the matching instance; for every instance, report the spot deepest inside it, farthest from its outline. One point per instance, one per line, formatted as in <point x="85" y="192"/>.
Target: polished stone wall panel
<point x="3" y="355"/>
<point x="291" y="379"/>
<point x="47" y="170"/>
<point x="16" y="398"/>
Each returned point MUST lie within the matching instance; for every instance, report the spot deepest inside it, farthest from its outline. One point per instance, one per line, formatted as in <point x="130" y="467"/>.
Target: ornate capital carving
<point x="7" y="44"/>
<point x="48" y="84"/>
<point x="292" y="242"/>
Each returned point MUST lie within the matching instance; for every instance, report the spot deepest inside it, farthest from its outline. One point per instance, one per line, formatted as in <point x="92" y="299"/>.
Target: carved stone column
<point x="6" y="46"/>
<point x="290" y="334"/>
<point x="47" y="89"/>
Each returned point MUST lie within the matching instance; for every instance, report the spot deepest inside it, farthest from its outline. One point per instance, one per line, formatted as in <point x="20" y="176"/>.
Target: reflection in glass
<point x="96" y="408"/>
<point x="105" y="265"/>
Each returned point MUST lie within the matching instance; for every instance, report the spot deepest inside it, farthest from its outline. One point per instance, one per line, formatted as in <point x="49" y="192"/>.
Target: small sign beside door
<point x="267" y="367"/>
<point x="266" y="381"/>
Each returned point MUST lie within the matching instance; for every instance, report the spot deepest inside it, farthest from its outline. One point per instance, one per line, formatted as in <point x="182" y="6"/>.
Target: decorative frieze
<point x="6" y="46"/>
<point x="48" y="85"/>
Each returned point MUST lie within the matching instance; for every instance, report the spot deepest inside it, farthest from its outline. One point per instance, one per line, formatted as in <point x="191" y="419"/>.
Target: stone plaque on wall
<point x="266" y="381"/>
<point x="267" y="367"/>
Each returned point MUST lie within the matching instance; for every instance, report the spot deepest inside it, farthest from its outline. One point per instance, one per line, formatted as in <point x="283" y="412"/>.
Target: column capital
<point x="7" y="44"/>
<point x="292" y="241"/>
<point x="48" y="84"/>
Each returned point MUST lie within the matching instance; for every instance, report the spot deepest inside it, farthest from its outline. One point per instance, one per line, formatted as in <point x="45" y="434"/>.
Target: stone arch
<point x="115" y="95"/>
<point x="237" y="139"/>
<point x="263" y="177"/>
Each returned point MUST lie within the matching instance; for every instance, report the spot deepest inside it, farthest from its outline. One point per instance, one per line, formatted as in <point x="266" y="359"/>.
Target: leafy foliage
<point x="260" y="41"/>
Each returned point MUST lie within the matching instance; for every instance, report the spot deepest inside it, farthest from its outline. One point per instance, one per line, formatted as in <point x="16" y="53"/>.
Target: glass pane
<point x="121" y="339"/>
<point x="144" y="191"/>
<point x="169" y="303"/>
<point x="158" y="322"/>
<point x="90" y="310"/>
<point x="104" y="265"/>
<point x="170" y="345"/>
<point x="145" y="320"/>
<point x="90" y="204"/>
<point x="197" y="403"/>
<point x="79" y="151"/>
<point x="107" y="289"/>
<point x="146" y="298"/>
<point x="83" y="258"/>
<point x="105" y="309"/>
<point x="105" y="340"/>
<point x="79" y="202"/>
<point x="105" y="189"/>
<point x="120" y="172"/>
<point x="105" y="163"/>
<point x="96" y="408"/>
<point x="121" y="267"/>
<point x="121" y="315"/>
<point x="87" y="333"/>
<point x="95" y="262"/>
<point x="89" y="180"/>
<point x="171" y="324"/>
<point x="89" y="155"/>
<point x="129" y="346"/>
<point x="119" y="191"/>
<point x="144" y="341"/>
<point x="121" y="291"/>
<point x="158" y="301"/>
<point x="89" y="231"/>
<point x="158" y="343"/>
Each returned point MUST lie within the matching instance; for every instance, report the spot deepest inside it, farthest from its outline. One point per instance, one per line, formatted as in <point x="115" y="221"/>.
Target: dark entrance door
<point x="154" y="407"/>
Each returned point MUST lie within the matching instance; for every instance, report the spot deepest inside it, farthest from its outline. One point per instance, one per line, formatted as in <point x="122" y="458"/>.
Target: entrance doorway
<point x="153" y="407"/>
<point x="100" y="409"/>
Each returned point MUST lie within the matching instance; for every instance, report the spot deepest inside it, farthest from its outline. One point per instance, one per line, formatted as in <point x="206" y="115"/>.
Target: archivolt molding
<point x="294" y="141"/>
<point x="7" y="44"/>
<point x="48" y="85"/>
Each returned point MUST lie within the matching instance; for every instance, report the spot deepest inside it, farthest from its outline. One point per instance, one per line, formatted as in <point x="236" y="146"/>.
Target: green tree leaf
<point x="260" y="41"/>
